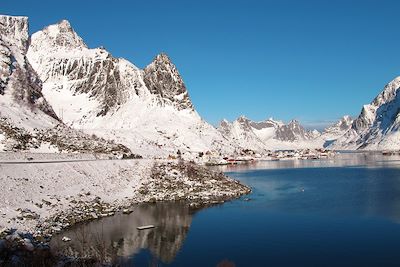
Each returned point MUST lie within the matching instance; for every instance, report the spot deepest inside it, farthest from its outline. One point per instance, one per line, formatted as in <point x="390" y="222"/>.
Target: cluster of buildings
<point x="214" y="158"/>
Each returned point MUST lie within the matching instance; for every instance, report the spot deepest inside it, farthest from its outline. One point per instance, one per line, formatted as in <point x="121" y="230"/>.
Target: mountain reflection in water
<point x="116" y="238"/>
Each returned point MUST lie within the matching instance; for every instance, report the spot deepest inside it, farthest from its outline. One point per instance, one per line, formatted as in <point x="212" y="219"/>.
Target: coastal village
<point x="246" y="156"/>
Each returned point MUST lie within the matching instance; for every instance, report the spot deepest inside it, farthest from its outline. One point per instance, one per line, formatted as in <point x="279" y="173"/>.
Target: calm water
<point x="342" y="212"/>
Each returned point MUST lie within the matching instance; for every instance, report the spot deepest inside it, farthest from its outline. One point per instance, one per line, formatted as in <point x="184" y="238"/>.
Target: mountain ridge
<point x="55" y="73"/>
<point x="149" y="110"/>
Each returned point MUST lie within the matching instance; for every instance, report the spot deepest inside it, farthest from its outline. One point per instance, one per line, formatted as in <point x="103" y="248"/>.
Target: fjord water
<point x="334" y="212"/>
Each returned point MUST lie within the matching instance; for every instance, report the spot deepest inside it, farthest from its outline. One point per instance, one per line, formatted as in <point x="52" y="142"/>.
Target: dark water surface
<point x="341" y="212"/>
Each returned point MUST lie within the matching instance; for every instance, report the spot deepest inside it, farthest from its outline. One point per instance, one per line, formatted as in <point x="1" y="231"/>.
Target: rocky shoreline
<point x="165" y="181"/>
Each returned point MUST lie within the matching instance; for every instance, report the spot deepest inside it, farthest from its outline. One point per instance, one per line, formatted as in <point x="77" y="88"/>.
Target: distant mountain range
<point x="52" y="83"/>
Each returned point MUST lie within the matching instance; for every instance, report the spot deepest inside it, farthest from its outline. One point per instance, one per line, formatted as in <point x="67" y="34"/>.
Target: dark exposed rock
<point x="163" y="79"/>
<point x="292" y="132"/>
<point x="16" y="74"/>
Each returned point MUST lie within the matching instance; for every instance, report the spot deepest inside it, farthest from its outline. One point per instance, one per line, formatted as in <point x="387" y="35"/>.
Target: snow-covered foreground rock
<point x="51" y="196"/>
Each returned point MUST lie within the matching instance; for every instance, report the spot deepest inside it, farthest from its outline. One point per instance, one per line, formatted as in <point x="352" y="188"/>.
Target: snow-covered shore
<point x="44" y="197"/>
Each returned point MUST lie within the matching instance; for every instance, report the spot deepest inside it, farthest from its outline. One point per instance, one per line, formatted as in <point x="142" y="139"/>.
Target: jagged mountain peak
<point x="344" y="122"/>
<point x="377" y="126"/>
<point x="162" y="58"/>
<point x="59" y="35"/>
<point x="243" y="119"/>
<point x="346" y="118"/>
<point x="224" y="123"/>
<point x="389" y="92"/>
<point x="341" y="126"/>
<point x="162" y="78"/>
<point x="293" y="131"/>
<point x="64" y="24"/>
<point x="294" y="122"/>
<point x="382" y="109"/>
<point x="336" y="130"/>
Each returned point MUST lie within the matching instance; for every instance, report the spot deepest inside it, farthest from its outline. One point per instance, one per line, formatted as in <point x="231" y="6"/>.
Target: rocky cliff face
<point x="163" y="79"/>
<point x="18" y="81"/>
<point x="293" y="131"/>
<point x="377" y="126"/>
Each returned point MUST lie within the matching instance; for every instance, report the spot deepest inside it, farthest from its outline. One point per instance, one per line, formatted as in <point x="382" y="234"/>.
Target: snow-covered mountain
<point x="242" y="133"/>
<point x="27" y="120"/>
<point x="378" y="125"/>
<point x="335" y="131"/>
<point x="53" y="80"/>
<point x="293" y="132"/>
<point x="268" y="134"/>
<point x="149" y="110"/>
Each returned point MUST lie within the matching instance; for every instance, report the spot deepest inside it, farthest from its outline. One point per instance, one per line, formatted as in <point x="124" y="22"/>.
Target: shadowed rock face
<point x="163" y="79"/>
<point x="292" y="131"/>
<point x="264" y="124"/>
<point x="16" y="74"/>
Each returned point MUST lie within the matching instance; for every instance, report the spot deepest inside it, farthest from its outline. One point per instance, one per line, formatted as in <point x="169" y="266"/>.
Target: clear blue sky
<point x="310" y="60"/>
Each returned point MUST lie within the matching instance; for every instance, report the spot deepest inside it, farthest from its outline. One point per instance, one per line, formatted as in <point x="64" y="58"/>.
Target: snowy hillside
<point x="269" y="134"/>
<point x="148" y="110"/>
<point x="377" y="126"/>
